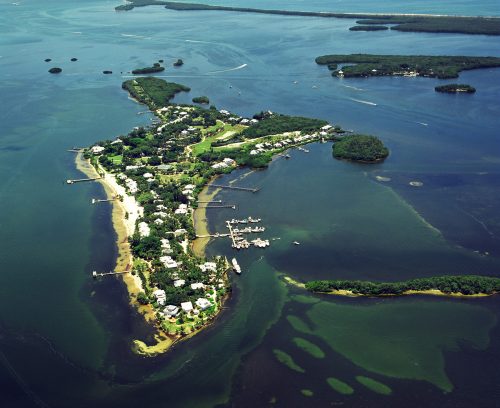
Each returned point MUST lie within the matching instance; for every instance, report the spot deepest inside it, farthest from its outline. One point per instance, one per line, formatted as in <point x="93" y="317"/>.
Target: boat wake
<point x="423" y="123"/>
<point x="135" y="36"/>
<point x="365" y="102"/>
<point x="352" y="87"/>
<point x="229" y="69"/>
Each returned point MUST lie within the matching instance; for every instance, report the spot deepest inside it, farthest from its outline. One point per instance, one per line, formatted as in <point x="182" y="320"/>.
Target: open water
<point x="65" y="339"/>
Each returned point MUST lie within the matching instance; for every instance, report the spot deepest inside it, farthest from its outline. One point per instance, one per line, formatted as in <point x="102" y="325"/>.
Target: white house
<point x="208" y="266"/>
<point x="182" y="210"/>
<point x="144" y="229"/>
<point x="187" y="306"/>
<point x="179" y="282"/>
<point x="160" y="296"/>
<point x="203" y="303"/>
<point x="197" y="285"/>
<point x="97" y="149"/>
<point x="171" y="311"/>
<point x="168" y="262"/>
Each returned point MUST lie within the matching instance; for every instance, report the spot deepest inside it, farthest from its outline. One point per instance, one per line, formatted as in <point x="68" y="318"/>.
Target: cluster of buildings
<point x="224" y="164"/>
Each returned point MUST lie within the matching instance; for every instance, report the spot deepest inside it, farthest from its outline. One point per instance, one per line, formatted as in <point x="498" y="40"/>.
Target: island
<point x="369" y="28"/>
<point x="55" y="70"/>
<point x="148" y="70"/>
<point x="372" y="65"/>
<point x="178" y="63"/>
<point x="360" y="148"/>
<point x="455" y="88"/>
<point x="400" y="22"/>
<point x="462" y="285"/>
<point x="201" y="99"/>
<point x="107" y="72"/>
<point x="73" y="59"/>
<point x="48" y="59"/>
<point x="156" y="178"/>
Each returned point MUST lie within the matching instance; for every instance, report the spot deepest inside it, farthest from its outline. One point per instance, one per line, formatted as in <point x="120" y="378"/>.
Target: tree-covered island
<point x="360" y="148"/>
<point x="465" y="285"/>
<point x="149" y="70"/>
<point x="201" y="99"/>
<point x="399" y="22"/>
<point x="371" y="65"/>
<point x="158" y="172"/>
<point x="455" y="88"/>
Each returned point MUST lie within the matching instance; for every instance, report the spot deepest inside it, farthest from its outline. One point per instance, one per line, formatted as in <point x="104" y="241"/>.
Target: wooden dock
<point x="98" y="200"/>
<point x="252" y="190"/>
<point x="82" y="180"/>
<point x="231" y="233"/>
<point x="96" y="274"/>
<point x="233" y="206"/>
<point x="210" y="201"/>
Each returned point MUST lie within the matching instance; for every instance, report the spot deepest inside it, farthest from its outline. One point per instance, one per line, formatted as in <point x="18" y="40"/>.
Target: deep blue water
<point x="65" y="340"/>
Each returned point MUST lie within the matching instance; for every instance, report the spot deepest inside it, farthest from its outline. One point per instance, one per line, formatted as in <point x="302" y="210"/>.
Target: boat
<point x="236" y="266"/>
<point x="296" y="243"/>
<point x="287" y="156"/>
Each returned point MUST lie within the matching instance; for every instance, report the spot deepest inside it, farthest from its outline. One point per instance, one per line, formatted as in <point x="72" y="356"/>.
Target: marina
<point x="236" y="233"/>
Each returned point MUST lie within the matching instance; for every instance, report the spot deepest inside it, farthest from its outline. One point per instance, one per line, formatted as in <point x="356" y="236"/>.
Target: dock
<point x="252" y="190"/>
<point x="233" y="206"/>
<point x="82" y="180"/>
<point x="98" y="200"/>
<point x="217" y="235"/>
<point x="76" y="149"/>
<point x="231" y="233"/>
<point x="96" y="274"/>
<point x="210" y="201"/>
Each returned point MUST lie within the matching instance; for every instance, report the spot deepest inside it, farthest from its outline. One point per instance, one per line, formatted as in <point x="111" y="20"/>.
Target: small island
<point x="360" y="148"/>
<point x="462" y="285"/>
<point x="73" y="59"/>
<point x="148" y="70"/>
<point x="369" y="28"/>
<point x="201" y="99"/>
<point x="48" y="59"/>
<point x="372" y="65"/>
<point x="55" y="70"/>
<point x="178" y="63"/>
<point x="455" y="88"/>
<point x="107" y="72"/>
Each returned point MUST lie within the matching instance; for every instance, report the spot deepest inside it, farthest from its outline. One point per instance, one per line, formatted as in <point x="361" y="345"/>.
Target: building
<point x="179" y="283"/>
<point x="171" y="311"/>
<point x="160" y="296"/>
<point x="168" y="262"/>
<point x="208" y="266"/>
<point x="182" y="210"/>
<point x="97" y="149"/>
<point x="144" y="229"/>
<point x="203" y="303"/>
<point x="197" y="285"/>
<point x="187" y="306"/>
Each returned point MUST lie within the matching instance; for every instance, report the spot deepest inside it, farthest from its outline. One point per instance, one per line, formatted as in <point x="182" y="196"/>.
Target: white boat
<point x="236" y="266"/>
<point x="296" y="243"/>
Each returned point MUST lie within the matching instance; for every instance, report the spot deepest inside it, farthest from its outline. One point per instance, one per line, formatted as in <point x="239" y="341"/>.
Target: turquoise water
<point x="65" y="340"/>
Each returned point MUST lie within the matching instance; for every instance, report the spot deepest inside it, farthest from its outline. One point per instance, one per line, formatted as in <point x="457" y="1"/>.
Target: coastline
<point x="123" y="228"/>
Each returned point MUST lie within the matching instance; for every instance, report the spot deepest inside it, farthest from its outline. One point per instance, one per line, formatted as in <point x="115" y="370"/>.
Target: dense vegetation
<point x="368" y="28"/>
<point x="178" y="63"/>
<point x="361" y="148"/>
<point x="442" y="67"/>
<point x="201" y="99"/>
<point x="275" y="123"/>
<point x="455" y="88"/>
<point x="148" y="70"/>
<point x="465" y="284"/>
<point x="151" y="90"/>
<point x="417" y="23"/>
<point x="439" y="24"/>
<point x="55" y="70"/>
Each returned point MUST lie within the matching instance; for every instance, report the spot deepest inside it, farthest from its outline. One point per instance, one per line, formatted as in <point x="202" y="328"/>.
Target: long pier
<point x="217" y="235"/>
<point x="210" y="201"/>
<point x="96" y="274"/>
<point x="252" y="190"/>
<point x="82" y="180"/>
<point x="233" y="206"/>
<point x="98" y="200"/>
<point x="231" y="233"/>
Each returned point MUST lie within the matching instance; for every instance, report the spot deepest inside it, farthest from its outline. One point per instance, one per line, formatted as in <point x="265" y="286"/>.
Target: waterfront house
<point x="187" y="306"/>
<point x="171" y="311"/>
<point x="203" y="303"/>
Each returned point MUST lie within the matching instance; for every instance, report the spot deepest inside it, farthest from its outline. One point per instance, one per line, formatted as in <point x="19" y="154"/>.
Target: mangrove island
<point x="371" y="65"/>
<point x="455" y="88"/>
<point x="360" y="148"/>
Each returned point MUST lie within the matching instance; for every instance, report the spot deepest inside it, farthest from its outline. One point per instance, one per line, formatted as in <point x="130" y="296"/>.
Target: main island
<point x="156" y="177"/>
